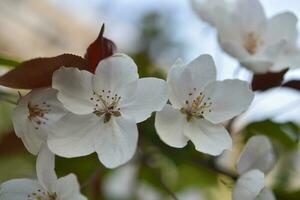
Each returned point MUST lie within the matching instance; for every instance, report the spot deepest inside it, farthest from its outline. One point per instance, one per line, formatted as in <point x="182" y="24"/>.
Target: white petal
<point x="211" y="11"/>
<point x="68" y="188"/>
<point x="169" y="124"/>
<point x="249" y="185"/>
<point x="281" y="26"/>
<point x="74" y="135"/>
<point x="266" y="194"/>
<point x="145" y="191"/>
<point x="45" y="169"/>
<point x="288" y="59"/>
<point x="250" y="15"/>
<point x="178" y="84"/>
<point x="234" y="49"/>
<point x="257" y="66"/>
<point x="31" y="133"/>
<point x="33" y="138"/>
<point x="182" y="80"/>
<point x="18" y="189"/>
<point x="207" y="137"/>
<point x="229" y="98"/>
<point x="114" y="72"/>
<point x="117" y="142"/>
<point x="75" y="89"/>
<point x="202" y="70"/>
<point x="121" y="183"/>
<point x="150" y="96"/>
<point x="257" y="154"/>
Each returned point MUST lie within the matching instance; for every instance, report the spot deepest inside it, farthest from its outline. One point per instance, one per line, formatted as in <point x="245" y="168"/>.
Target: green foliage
<point x="17" y="166"/>
<point x="8" y="62"/>
<point x="284" y="195"/>
<point x="286" y="134"/>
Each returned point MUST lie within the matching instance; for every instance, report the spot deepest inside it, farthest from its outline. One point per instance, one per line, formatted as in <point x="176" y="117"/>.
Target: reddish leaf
<point x="266" y="81"/>
<point x="294" y="84"/>
<point x="10" y="144"/>
<point x="38" y="72"/>
<point x="101" y="48"/>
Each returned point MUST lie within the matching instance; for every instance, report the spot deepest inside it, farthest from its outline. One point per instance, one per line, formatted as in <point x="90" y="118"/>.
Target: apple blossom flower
<point x="199" y="105"/>
<point x="259" y="44"/>
<point x="105" y="108"/>
<point x="46" y="187"/>
<point x="34" y="115"/>
<point x="212" y="11"/>
<point x="256" y="160"/>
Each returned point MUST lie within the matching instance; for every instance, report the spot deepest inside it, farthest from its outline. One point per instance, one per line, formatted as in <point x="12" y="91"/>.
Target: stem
<point x="167" y="189"/>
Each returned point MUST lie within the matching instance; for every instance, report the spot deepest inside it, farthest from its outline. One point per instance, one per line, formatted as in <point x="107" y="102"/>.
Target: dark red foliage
<point x="38" y="72"/>
<point x="101" y="48"/>
<point x="294" y="84"/>
<point x="262" y="82"/>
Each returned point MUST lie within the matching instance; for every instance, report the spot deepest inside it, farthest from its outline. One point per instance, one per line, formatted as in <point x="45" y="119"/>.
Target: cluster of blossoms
<point x="256" y="160"/>
<point x="86" y="112"/>
<point x="244" y="32"/>
<point x="46" y="187"/>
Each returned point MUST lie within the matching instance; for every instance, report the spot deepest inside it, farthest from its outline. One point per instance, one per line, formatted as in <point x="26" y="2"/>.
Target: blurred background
<point x="155" y="33"/>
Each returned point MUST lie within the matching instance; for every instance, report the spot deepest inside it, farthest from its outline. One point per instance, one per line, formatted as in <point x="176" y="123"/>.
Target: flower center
<point x="252" y="42"/>
<point x="37" y="113"/>
<point x="197" y="107"/>
<point x="41" y="195"/>
<point x="106" y="104"/>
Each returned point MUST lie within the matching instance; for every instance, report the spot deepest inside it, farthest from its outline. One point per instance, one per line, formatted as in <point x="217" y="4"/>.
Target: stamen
<point x="109" y="106"/>
<point x="198" y="107"/>
<point x="37" y="113"/>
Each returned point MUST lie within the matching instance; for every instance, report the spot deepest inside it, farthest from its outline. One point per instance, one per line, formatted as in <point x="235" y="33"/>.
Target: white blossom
<point x="260" y="44"/>
<point x="105" y="109"/>
<point x="256" y="159"/>
<point x="212" y="11"/>
<point x="46" y="187"/>
<point x="34" y="115"/>
<point x="199" y="105"/>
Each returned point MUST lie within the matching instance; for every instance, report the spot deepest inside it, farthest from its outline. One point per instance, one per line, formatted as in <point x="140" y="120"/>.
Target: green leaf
<point x="16" y="166"/>
<point x="8" y="62"/>
<point x="284" y="195"/>
<point x="286" y="134"/>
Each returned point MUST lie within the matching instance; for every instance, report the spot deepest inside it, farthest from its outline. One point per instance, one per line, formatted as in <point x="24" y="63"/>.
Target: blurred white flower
<point x="190" y="194"/>
<point x="199" y="105"/>
<point x="259" y="44"/>
<point x="212" y="11"/>
<point x="46" y="187"/>
<point x="257" y="154"/>
<point x="105" y="109"/>
<point x="256" y="159"/>
<point x="34" y="115"/>
<point x="123" y="184"/>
